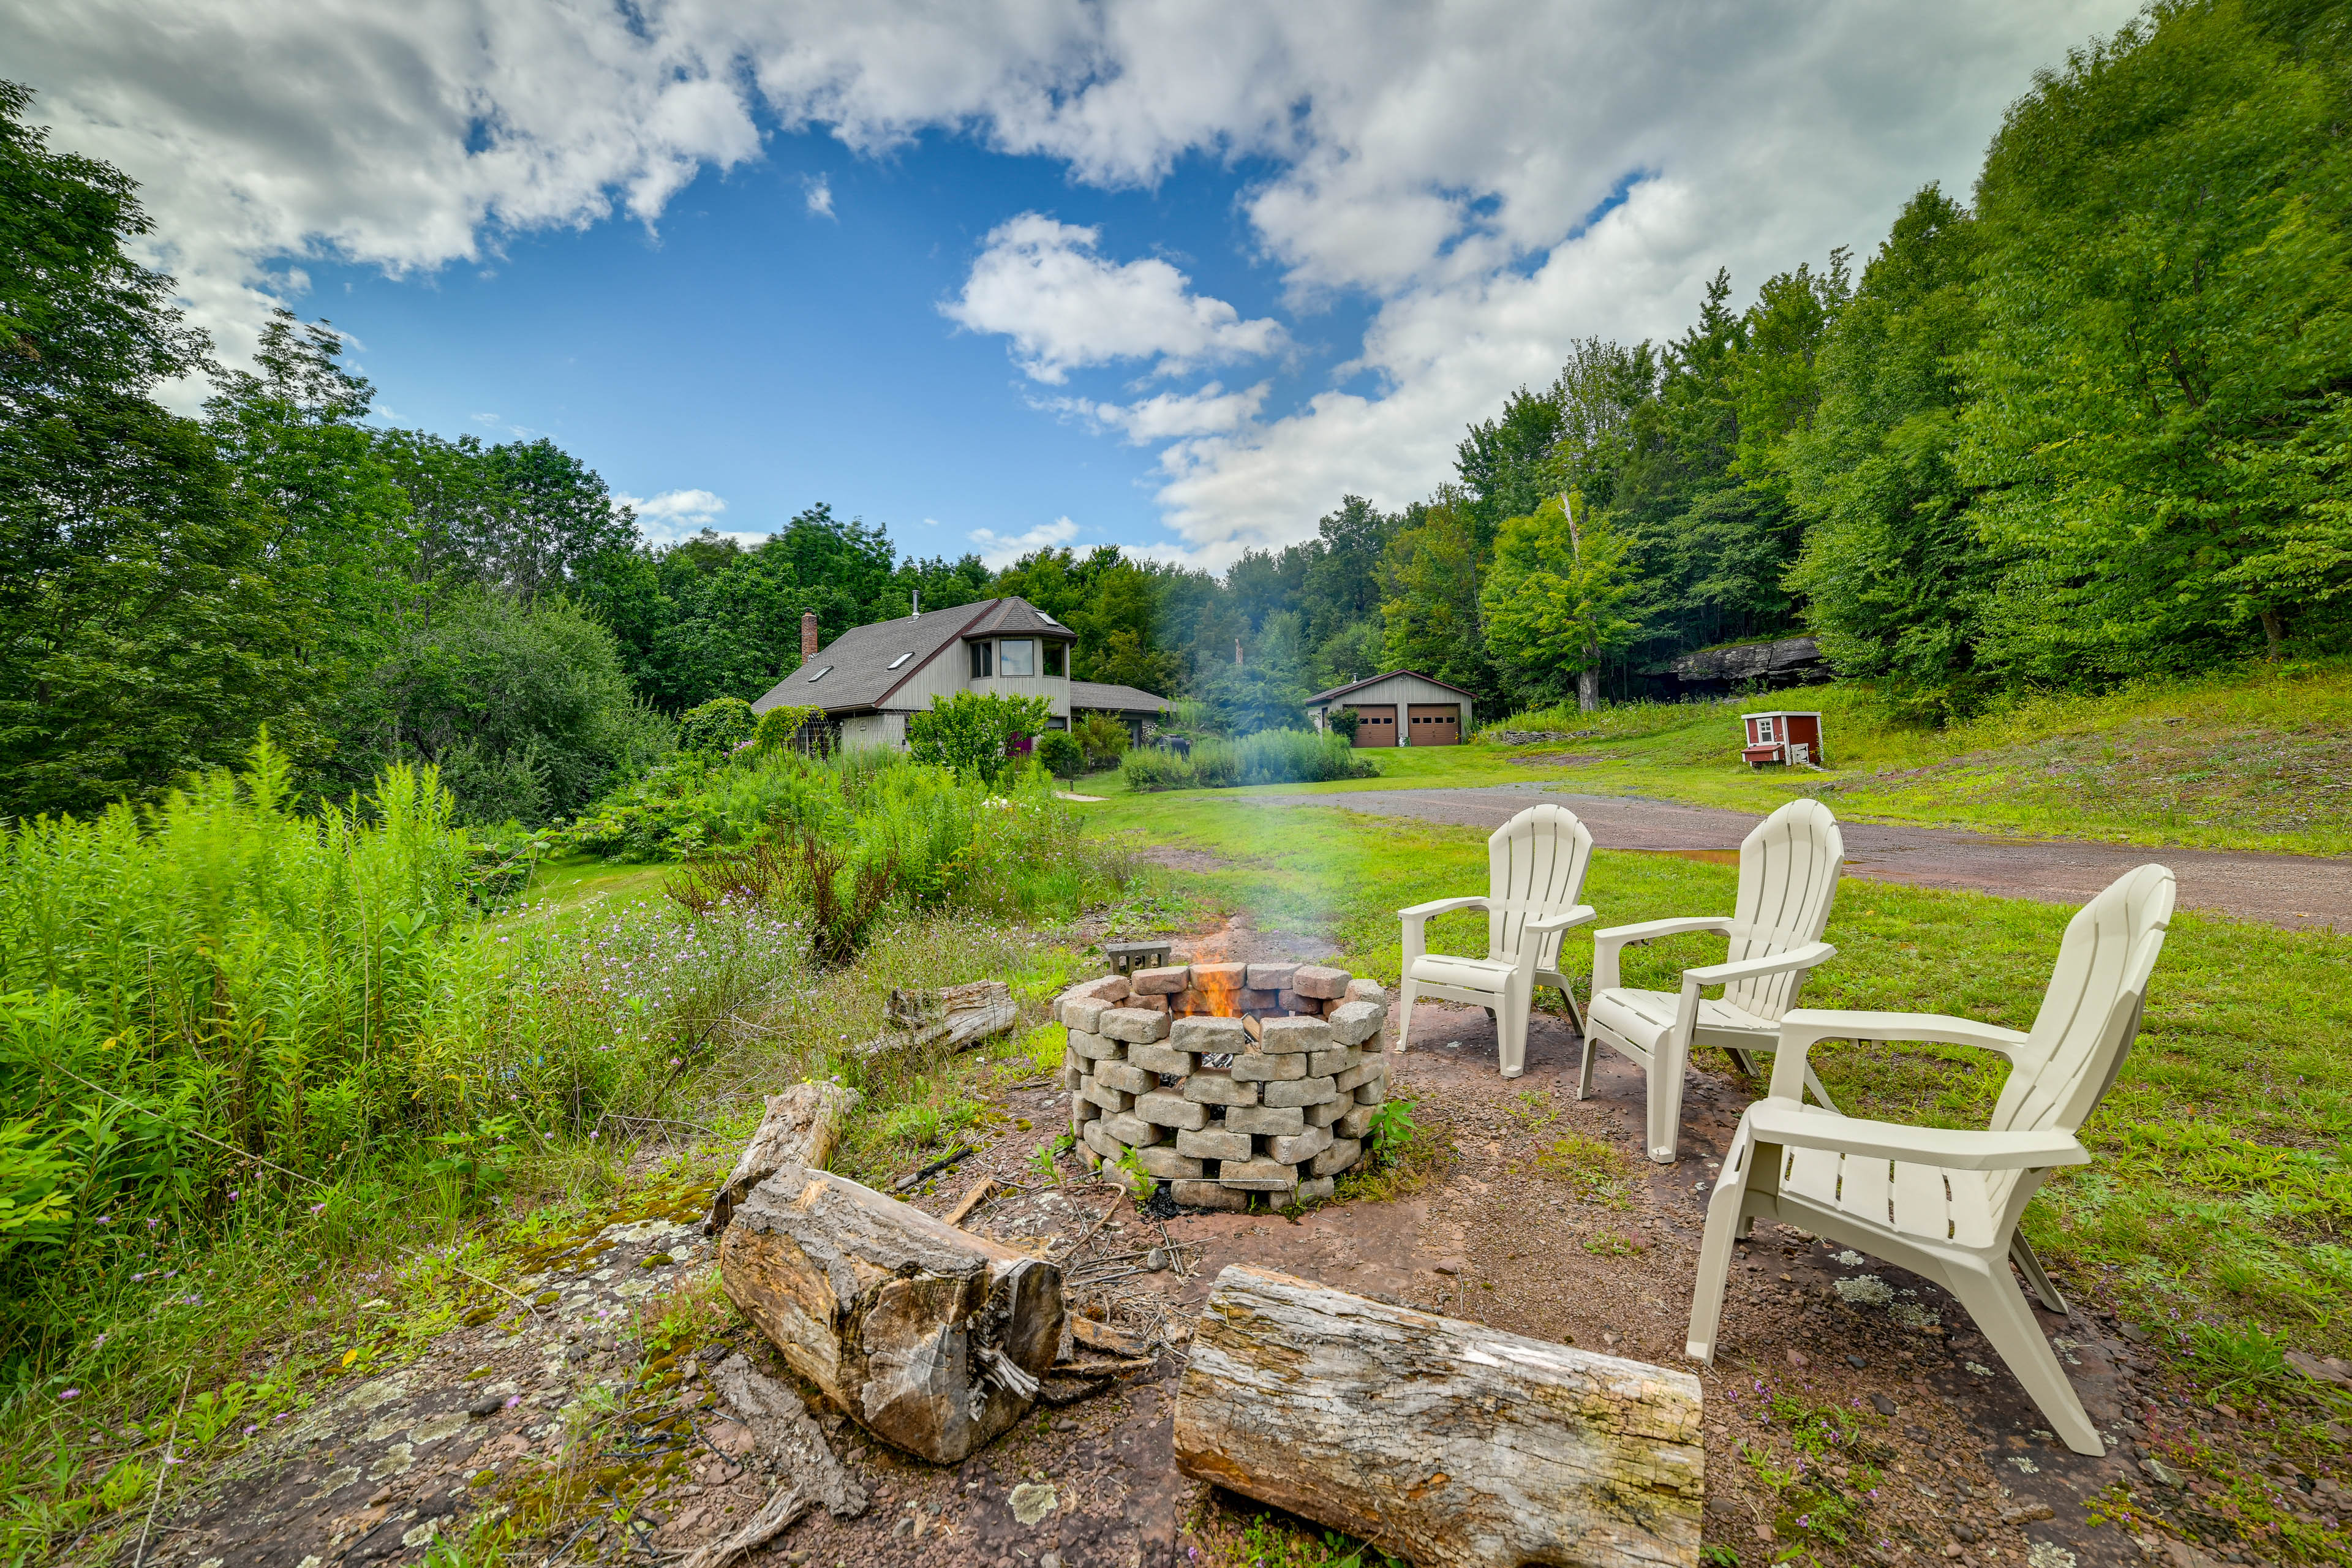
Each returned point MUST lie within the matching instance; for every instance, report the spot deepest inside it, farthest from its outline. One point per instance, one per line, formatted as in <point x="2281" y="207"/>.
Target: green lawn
<point x="2223" y="1188"/>
<point x="2254" y="761"/>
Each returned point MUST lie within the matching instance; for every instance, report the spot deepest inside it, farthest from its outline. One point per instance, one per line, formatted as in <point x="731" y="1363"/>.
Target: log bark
<point x="808" y="1473"/>
<point x="801" y="1128"/>
<point x="930" y="1337"/>
<point x="1447" y="1443"/>
<point x="960" y="1017"/>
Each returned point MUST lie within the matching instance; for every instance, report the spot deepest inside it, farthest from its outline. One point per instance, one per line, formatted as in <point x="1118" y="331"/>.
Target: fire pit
<point x="1226" y="1079"/>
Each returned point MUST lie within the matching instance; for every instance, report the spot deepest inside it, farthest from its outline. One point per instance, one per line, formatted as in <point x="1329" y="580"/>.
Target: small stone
<point x="1797" y="1359"/>
<point x="1031" y="1502"/>
<point x="1156" y="1259"/>
<point x="1051" y="1560"/>
<point x="488" y="1405"/>
<point x="1952" y="1549"/>
<point x="1856" y="1362"/>
<point x="2160" y="1472"/>
<point x="1883" y="1404"/>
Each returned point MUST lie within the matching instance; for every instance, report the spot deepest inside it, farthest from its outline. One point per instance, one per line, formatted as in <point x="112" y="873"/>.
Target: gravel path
<point x="2292" y="890"/>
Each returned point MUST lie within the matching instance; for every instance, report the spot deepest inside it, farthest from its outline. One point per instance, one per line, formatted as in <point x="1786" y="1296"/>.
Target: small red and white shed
<point x="1782" y="738"/>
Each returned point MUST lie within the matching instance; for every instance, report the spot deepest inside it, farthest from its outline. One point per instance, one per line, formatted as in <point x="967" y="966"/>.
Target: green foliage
<point x="2238" y="1360"/>
<point x="1344" y="722"/>
<point x="1104" y="738"/>
<point x="1061" y="754"/>
<point x="1271" y="756"/>
<point x="716" y="728"/>
<point x="1433" y="575"/>
<point x="1393" y="1130"/>
<point x="1557" y="596"/>
<point x="976" y="735"/>
<point x="780" y="725"/>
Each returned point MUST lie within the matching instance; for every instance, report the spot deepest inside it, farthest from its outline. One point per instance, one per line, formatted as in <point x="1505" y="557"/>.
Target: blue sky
<point x="1206" y="266"/>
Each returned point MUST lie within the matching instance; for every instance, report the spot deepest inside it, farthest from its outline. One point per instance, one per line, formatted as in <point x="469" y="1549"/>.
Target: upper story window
<point x="900" y="659"/>
<point x="822" y="671"/>
<point x="1016" y="656"/>
<point x="980" y="661"/>
<point x="1056" y="655"/>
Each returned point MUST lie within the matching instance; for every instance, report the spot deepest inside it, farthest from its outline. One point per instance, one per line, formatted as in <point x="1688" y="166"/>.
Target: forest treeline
<point x="2093" y="423"/>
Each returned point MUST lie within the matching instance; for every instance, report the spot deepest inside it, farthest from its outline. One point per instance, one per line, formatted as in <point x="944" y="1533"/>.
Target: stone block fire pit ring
<point x="1226" y="1079"/>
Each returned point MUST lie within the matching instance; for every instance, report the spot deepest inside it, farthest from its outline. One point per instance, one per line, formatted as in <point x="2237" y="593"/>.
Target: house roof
<point x="1095" y="696"/>
<point x="858" y="664"/>
<point x="1339" y="691"/>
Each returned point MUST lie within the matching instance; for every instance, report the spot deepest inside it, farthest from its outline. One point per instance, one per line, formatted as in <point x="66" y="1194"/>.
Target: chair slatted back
<point x="1535" y="866"/>
<point x="1788" y="870"/>
<point x="2091" y="1011"/>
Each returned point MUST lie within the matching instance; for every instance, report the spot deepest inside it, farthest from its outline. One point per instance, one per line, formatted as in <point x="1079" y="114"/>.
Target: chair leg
<point x="1404" y="1014"/>
<point x="2021" y="1252"/>
<point x="1666" y="1070"/>
<point x="1999" y="1308"/>
<point x="1585" y="1067"/>
<point x="1511" y="1031"/>
<point x="1575" y="1015"/>
<point x="1814" y="1082"/>
<point x="1723" y="1225"/>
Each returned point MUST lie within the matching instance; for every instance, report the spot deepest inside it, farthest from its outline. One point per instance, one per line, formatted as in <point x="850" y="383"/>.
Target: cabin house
<point x="1779" y="737"/>
<point x="1399" y="709"/>
<point x="869" y="679"/>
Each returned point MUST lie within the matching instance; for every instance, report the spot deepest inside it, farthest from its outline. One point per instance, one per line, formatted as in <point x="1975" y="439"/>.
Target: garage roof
<point x="1339" y="691"/>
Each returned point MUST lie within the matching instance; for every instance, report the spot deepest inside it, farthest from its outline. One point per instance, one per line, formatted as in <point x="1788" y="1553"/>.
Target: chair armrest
<point x="1791" y="1125"/>
<point x="1439" y="906"/>
<point x="1608" y="940"/>
<point x="1538" y="927"/>
<point x="1802" y="1028"/>
<point x="1804" y="957"/>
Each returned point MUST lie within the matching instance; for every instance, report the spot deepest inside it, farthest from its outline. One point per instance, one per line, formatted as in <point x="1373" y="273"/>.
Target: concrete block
<point x="1220" y="1088"/>
<point x="1205" y="1035"/>
<point x="1315" y="1190"/>
<point x="1365" y="989"/>
<point x="1126" y="1076"/>
<point x="1093" y="1047"/>
<point x="1209" y="1196"/>
<point x="1356" y="1123"/>
<point x="1149" y="1004"/>
<point x="1342" y="1154"/>
<point x="1163" y="1161"/>
<point x="1209" y="1143"/>
<point x="1160" y="982"/>
<point x="1131" y="1130"/>
<point x="1330" y="1111"/>
<point x="1373" y="1093"/>
<point x="1270" y="976"/>
<point x="1260" y="1001"/>
<point x="1110" y="1098"/>
<point x="1082" y="1110"/>
<point x="1319" y="1064"/>
<point x="1095" y="1138"/>
<point x="1086" y="1013"/>
<point x="1301" y="1091"/>
<point x="1219" y="978"/>
<point x="1356" y="1022"/>
<point x="1298" y="1146"/>
<point x="1159" y="1058"/>
<point x="1278" y="1036"/>
<point x="1271" y="1120"/>
<point x="1319" y="980"/>
<point x="1364" y="1072"/>
<point x="1134" y="1024"/>
<point x="1168" y="1108"/>
<point x="1258" y="1175"/>
<point x="1259" y="1068"/>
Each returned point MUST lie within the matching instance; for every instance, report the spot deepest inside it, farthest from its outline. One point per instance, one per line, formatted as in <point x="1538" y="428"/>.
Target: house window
<point x="1056" y="654"/>
<point x="1016" y="657"/>
<point x="900" y="659"/>
<point x="1764" y="731"/>
<point x="979" y="667"/>
<point x="822" y="671"/>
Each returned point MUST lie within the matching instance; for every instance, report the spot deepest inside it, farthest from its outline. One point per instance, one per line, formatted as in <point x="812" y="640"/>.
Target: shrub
<point x="1104" y="738"/>
<point x="976" y="735"/>
<point x="717" y="727"/>
<point x="778" y="727"/>
<point x="1345" y="723"/>
<point x="1270" y="756"/>
<point x="1061" y="754"/>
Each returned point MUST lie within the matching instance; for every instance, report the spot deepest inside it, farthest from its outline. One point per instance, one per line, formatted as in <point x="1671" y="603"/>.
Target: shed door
<point x="1435" y="724"/>
<point x="1376" y="726"/>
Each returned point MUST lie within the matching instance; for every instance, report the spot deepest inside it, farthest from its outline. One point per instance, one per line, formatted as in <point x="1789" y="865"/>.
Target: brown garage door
<point x="1376" y="726"/>
<point x="1435" y="724"/>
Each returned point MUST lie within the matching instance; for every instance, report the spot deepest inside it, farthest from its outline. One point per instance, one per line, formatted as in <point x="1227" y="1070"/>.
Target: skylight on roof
<point x="823" y="671"/>
<point x="1047" y="619"/>
<point x="900" y="659"/>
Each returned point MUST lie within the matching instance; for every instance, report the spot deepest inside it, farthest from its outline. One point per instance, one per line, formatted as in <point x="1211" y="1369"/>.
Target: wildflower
<point x="232" y="1194"/>
<point x="316" y="1208"/>
<point x="70" y="1394"/>
<point x="106" y="1219"/>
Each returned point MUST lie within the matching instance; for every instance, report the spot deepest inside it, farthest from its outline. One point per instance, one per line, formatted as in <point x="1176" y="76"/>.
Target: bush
<point x="778" y="727"/>
<point x="1104" y="738"/>
<point x="1061" y="754"/>
<point x="975" y="735"/>
<point x="1345" y="723"/>
<point x="1270" y="756"/>
<point x="716" y="728"/>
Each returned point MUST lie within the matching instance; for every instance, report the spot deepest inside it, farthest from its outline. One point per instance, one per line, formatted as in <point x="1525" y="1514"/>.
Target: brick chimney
<point x="808" y="634"/>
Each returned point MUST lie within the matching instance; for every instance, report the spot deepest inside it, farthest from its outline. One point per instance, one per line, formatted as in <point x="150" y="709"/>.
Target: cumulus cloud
<point x="817" y="193"/>
<point x="1002" y="550"/>
<point x="674" y="515"/>
<point x="1170" y="416"/>
<point x="1044" y="285"/>
<point x="1494" y="179"/>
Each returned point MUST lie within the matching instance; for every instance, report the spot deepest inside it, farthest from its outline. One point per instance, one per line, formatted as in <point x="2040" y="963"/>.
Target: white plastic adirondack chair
<point x="1945" y="1204"/>
<point x="1789" y="870"/>
<point x="1535" y="869"/>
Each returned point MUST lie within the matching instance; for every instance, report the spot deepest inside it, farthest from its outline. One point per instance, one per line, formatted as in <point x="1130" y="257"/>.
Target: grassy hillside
<point x="2255" y="760"/>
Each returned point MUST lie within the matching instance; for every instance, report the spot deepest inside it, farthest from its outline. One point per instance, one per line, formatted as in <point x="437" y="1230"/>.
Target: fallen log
<point x="801" y="1128"/>
<point x="931" y="1338"/>
<point x="958" y="1016"/>
<point x="1447" y="1443"/>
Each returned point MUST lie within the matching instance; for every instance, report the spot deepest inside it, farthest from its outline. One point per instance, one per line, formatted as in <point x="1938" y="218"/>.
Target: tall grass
<point x="1270" y="756"/>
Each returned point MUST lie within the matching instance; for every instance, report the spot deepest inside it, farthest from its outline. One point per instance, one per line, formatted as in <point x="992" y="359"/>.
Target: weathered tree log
<point x="806" y="1470"/>
<point x="961" y="1016"/>
<point x="801" y="1128"/>
<point x="1446" y="1443"/>
<point x="930" y="1337"/>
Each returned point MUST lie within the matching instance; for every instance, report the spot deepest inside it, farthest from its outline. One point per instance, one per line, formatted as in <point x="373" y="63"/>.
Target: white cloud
<point x="1041" y="284"/>
<point x="1170" y="416"/>
<point x="999" y="550"/>
<point x="1440" y="162"/>
<point x="818" y="191"/>
<point x="674" y="515"/>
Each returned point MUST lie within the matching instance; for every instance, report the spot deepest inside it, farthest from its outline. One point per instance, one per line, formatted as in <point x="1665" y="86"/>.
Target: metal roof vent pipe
<point x="808" y="634"/>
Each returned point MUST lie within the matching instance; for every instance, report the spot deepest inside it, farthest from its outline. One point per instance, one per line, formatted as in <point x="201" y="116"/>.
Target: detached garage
<point x="1399" y="709"/>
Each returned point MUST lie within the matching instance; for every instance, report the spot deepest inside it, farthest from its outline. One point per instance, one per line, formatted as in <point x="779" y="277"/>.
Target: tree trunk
<point x="930" y="1337"/>
<point x="1447" y="1443"/>
<point x="801" y="1128"/>
<point x="2274" y="634"/>
<point x="960" y="1017"/>
<point x="1587" y="690"/>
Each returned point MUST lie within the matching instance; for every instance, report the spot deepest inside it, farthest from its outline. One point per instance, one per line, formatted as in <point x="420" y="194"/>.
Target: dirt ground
<point x="2292" y="890"/>
<point x="1597" y="1252"/>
